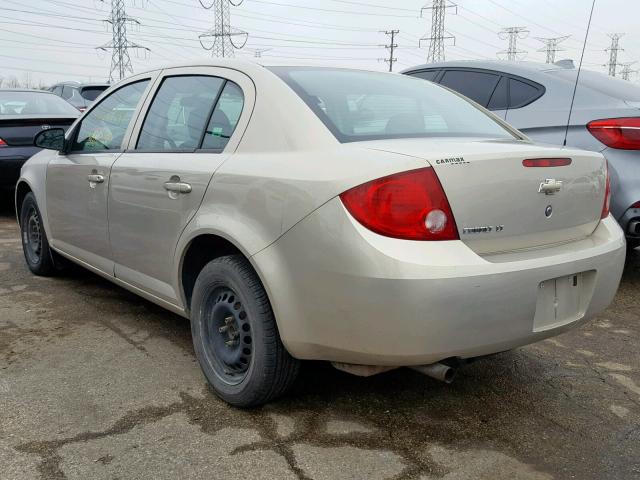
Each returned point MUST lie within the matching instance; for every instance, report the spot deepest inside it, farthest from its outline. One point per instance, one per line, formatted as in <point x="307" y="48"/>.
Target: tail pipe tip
<point x="439" y="371"/>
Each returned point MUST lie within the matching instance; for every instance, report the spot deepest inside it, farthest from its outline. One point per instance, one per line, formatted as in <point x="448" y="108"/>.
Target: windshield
<point x="610" y="86"/>
<point x="34" y="103"/>
<point x="359" y="105"/>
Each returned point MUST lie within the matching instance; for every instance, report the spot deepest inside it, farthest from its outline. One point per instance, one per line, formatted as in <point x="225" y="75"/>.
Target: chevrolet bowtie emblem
<point x="550" y="186"/>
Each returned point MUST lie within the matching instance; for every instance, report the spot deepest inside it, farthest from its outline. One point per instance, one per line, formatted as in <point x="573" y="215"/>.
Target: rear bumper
<point x="345" y="294"/>
<point x="625" y="185"/>
<point x="11" y="161"/>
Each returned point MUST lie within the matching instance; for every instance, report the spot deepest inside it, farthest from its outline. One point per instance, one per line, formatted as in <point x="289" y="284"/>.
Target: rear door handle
<point x="177" y="187"/>
<point x="95" y="178"/>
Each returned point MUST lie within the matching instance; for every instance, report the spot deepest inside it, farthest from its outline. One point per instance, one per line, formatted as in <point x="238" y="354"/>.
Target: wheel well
<point x="201" y="251"/>
<point x="21" y="191"/>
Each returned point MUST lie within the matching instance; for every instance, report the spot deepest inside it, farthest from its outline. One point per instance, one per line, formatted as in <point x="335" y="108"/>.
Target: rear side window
<point x="91" y="93"/>
<point x="426" y="74"/>
<point x="478" y="86"/>
<point x="521" y="93"/>
<point x="104" y="127"/>
<point x="500" y="98"/>
<point x="179" y="113"/>
<point x="67" y="92"/>
<point x="358" y="105"/>
<point x="225" y="117"/>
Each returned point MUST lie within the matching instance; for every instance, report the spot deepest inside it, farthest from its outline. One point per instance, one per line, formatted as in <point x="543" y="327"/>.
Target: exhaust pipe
<point x="439" y="371"/>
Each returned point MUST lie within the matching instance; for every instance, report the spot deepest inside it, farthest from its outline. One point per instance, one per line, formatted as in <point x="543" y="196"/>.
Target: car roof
<point x="72" y="83"/>
<point x="32" y="90"/>
<point x="516" y="68"/>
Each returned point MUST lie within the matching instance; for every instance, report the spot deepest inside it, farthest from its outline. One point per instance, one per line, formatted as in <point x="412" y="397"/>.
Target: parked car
<point x="535" y="98"/>
<point x="80" y="95"/>
<point x="367" y="219"/>
<point x="23" y="113"/>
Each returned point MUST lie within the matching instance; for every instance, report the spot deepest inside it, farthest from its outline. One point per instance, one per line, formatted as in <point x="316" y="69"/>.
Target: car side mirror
<point x="51" y="139"/>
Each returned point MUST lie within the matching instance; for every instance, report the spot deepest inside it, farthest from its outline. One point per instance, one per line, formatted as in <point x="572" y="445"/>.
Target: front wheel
<point x="235" y="336"/>
<point x="35" y="244"/>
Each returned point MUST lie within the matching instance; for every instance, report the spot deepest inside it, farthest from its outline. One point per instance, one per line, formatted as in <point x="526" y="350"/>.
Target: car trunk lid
<point x="500" y="204"/>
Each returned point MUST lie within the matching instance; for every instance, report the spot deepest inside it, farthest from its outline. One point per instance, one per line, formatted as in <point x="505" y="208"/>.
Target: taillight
<point x="607" y="193"/>
<point x="636" y="205"/>
<point x="82" y="109"/>
<point x="3" y="143"/>
<point x="620" y="133"/>
<point x="546" y="162"/>
<point x="409" y="205"/>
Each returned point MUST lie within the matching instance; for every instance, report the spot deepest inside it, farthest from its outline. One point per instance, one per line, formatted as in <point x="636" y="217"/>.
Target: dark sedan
<point x="23" y="113"/>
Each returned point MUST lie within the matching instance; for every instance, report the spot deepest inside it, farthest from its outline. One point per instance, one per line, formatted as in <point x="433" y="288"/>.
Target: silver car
<point x="535" y="98"/>
<point x="291" y="213"/>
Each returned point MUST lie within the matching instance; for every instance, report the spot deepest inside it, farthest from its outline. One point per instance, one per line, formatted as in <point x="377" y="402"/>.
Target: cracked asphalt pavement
<point x="96" y="383"/>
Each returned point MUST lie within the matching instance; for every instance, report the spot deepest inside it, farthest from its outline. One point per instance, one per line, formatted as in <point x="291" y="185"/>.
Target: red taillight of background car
<point x="607" y="193"/>
<point x="82" y="109"/>
<point x="3" y="143"/>
<point x="409" y="205"/>
<point x="620" y="133"/>
<point x="636" y="205"/>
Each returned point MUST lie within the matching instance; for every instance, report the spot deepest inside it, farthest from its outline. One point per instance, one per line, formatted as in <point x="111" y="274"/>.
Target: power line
<point x="391" y="47"/>
<point x="513" y="34"/>
<point x="551" y="46"/>
<point x="613" y="50"/>
<point x="438" y="34"/>
<point x="120" y="44"/>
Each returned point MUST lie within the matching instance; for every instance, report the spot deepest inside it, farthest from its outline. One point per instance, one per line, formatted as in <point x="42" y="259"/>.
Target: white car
<point x="368" y="219"/>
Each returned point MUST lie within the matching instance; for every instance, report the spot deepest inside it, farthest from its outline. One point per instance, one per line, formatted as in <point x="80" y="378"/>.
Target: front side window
<point x="357" y="105"/>
<point x="179" y="113"/>
<point x="104" y="127"/>
<point x="426" y="74"/>
<point x="478" y="86"/>
<point x="225" y="117"/>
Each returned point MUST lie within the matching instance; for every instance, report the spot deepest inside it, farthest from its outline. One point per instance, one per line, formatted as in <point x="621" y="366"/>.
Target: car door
<point x="78" y="179"/>
<point x="158" y="184"/>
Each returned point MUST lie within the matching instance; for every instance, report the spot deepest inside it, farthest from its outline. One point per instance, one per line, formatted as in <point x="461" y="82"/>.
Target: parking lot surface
<point x="98" y="383"/>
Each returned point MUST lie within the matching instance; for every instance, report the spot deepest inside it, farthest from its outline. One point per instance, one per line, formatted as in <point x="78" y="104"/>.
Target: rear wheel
<point x="235" y="335"/>
<point x="35" y="244"/>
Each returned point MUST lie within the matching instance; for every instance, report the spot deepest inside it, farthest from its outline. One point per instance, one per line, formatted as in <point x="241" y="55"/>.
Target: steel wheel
<point x="228" y="334"/>
<point x="32" y="236"/>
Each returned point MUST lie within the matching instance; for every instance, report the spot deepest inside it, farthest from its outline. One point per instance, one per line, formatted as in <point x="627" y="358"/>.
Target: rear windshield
<point x="358" y="105"/>
<point x="91" y="93"/>
<point x="34" y="103"/>
<point x="610" y="86"/>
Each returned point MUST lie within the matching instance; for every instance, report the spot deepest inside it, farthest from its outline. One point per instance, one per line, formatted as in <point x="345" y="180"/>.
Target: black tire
<point x="35" y="244"/>
<point x="235" y="335"/>
<point x="632" y="244"/>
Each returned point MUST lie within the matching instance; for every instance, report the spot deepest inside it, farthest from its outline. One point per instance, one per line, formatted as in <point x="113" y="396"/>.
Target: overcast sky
<point x="55" y="40"/>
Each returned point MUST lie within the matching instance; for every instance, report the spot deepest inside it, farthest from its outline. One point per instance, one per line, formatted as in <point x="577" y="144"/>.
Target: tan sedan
<point x="368" y="219"/>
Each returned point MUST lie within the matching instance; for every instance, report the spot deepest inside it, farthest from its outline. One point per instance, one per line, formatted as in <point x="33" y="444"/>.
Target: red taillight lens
<point x="636" y="205"/>
<point x="546" y="162"/>
<point x="409" y="205"/>
<point x="3" y="143"/>
<point x="82" y="109"/>
<point x="620" y="133"/>
<point x="607" y="194"/>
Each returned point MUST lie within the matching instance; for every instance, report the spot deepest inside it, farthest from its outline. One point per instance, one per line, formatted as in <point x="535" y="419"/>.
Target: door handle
<point x="95" y="178"/>
<point x="177" y="187"/>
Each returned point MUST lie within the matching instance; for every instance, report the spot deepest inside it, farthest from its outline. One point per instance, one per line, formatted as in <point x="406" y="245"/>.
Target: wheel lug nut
<point x="223" y="328"/>
<point x="228" y="319"/>
<point x="230" y="343"/>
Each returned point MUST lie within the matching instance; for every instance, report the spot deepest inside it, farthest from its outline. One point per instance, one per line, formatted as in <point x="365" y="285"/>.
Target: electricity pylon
<point x="513" y="34"/>
<point x="392" y="46"/>
<point x="613" y="50"/>
<point x="120" y="44"/>
<point x="222" y="31"/>
<point x="627" y="71"/>
<point x="438" y="33"/>
<point x="551" y="46"/>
